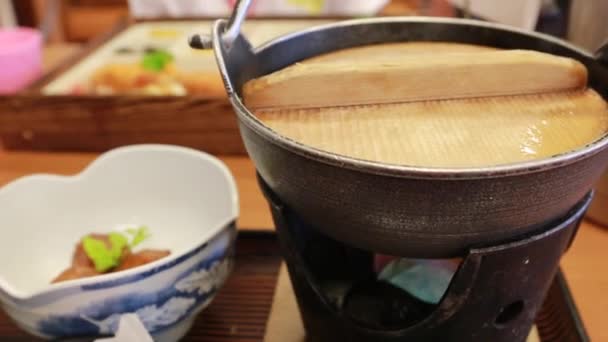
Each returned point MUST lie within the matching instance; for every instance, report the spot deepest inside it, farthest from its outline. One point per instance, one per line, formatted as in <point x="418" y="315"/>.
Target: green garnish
<point x="313" y="6"/>
<point x="104" y="258"/>
<point x="98" y="253"/>
<point x="117" y="243"/>
<point x="156" y="60"/>
<point x="138" y="235"/>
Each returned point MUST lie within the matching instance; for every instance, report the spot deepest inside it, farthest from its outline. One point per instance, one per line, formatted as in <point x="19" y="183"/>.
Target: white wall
<point x="589" y="23"/>
<point x="7" y="14"/>
<point x="520" y="13"/>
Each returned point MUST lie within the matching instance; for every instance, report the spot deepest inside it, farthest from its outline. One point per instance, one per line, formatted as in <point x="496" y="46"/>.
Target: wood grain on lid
<point x="470" y="114"/>
<point x="414" y="78"/>
<point x="450" y="133"/>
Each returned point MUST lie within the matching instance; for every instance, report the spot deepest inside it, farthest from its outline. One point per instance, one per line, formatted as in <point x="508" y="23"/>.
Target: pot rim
<point x="396" y="170"/>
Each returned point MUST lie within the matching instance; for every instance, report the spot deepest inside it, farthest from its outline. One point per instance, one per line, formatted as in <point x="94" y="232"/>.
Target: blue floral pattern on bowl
<point x="190" y="292"/>
<point x="190" y="200"/>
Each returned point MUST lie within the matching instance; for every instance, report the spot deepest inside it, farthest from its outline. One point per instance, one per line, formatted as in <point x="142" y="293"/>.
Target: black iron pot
<point x="402" y="210"/>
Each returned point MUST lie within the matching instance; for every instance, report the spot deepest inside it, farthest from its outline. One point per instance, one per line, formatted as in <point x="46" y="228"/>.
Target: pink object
<point x="20" y="58"/>
<point x="381" y="260"/>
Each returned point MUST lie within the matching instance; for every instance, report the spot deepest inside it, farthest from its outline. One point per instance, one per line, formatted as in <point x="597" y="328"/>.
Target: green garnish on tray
<point x="156" y="60"/>
<point x="105" y="258"/>
<point x="312" y="6"/>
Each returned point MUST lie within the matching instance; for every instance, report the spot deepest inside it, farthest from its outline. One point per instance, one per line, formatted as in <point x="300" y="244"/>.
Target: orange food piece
<point x="75" y="272"/>
<point x="208" y="84"/>
<point x="123" y="77"/>
<point x="83" y="267"/>
<point x="143" y="257"/>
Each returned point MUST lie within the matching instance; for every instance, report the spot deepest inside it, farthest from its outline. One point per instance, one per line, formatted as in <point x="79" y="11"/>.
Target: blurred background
<point x="81" y="20"/>
<point x="74" y="22"/>
<point x="87" y="54"/>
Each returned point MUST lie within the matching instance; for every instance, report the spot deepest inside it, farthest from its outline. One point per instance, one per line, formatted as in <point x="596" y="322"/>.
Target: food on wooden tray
<point x="97" y="254"/>
<point x="154" y="74"/>
<point x="463" y="106"/>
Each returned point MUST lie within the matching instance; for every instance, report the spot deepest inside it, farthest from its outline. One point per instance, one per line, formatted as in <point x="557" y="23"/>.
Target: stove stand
<point x="494" y="296"/>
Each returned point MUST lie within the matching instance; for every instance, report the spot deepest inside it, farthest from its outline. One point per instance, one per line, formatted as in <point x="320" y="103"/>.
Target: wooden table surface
<point x="584" y="264"/>
<point x="55" y="53"/>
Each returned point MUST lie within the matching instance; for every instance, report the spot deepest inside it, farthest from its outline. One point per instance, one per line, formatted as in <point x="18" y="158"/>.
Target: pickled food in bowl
<point x="97" y="254"/>
<point x="474" y="131"/>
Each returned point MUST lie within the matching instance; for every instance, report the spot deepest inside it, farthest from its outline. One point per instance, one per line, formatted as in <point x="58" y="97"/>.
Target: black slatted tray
<point x="240" y="311"/>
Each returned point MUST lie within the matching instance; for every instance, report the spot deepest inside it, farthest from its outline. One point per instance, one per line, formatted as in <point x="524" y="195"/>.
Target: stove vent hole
<point x="509" y="313"/>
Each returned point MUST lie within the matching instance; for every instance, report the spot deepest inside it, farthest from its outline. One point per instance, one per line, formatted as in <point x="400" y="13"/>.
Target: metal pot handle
<point x="236" y="21"/>
<point x="602" y="54"/>
<point x="232" y="31"/>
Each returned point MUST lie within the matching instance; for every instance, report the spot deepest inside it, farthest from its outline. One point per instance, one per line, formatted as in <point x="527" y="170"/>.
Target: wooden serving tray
<point x="558" y="320"/>
<point x="47" y="116"/>
<point x="241" y="311"/>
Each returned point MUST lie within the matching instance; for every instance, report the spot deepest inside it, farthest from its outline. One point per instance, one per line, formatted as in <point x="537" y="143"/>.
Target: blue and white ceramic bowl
<point x="188" y="200"/>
